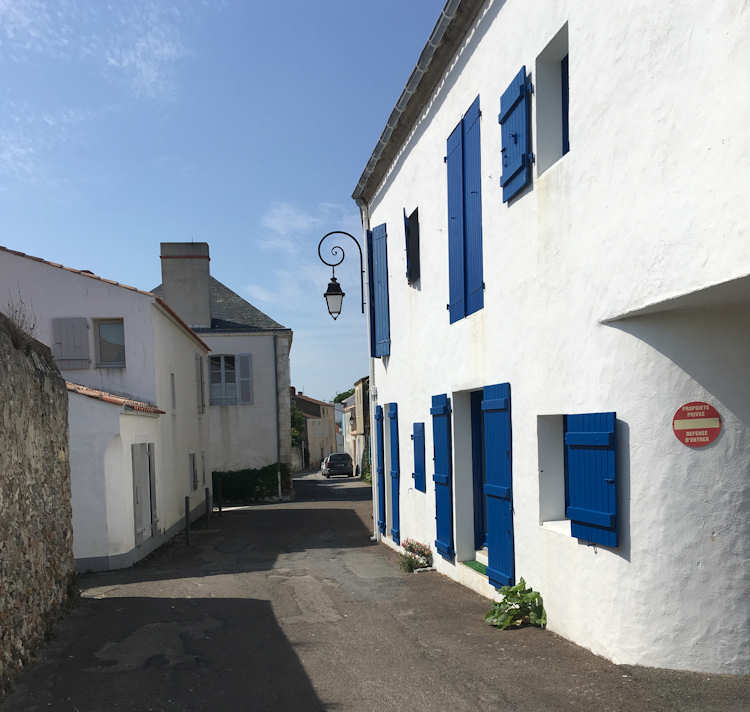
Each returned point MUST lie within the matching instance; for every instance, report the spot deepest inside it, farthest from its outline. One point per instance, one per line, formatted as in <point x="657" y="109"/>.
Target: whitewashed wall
<point x="50" y="292"/>
<point x="244" y="435"/>
<point x="649" y="204"/>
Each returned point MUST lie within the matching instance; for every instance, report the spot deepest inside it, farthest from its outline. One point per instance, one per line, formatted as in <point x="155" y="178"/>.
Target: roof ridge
<point x="107" y="397"/>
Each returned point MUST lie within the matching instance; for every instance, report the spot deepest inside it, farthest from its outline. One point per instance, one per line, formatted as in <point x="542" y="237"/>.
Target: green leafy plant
<point x="519" y="605"/>
<point x="416" y="555"/>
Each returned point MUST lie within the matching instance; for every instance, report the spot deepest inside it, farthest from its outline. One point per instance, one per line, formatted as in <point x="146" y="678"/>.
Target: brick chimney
<point x="184" y="277"/>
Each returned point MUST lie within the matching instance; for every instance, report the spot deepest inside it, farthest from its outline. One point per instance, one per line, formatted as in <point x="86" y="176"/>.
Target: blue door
<point x="395" y="471"/>
<point x="498" y="486"/>
<point x="441" y="440"/>
<point x="477" y="463"/>
<point x="380" y="468"/>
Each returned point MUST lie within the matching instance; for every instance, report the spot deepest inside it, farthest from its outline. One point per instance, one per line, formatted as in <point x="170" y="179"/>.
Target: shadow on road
<point x="334" y="489"/>
<point x="170" y="654"/>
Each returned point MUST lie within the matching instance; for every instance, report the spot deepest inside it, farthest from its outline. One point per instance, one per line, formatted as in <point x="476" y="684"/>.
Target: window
<point x="230" y="385"/>
<point x="419" y="460"/>
<point x="110" y="343"/>
<point x="380" y="319"/>
<point x="193" y="471"/>
<point x="466" y="281"/>
<point x="553" y="140"/>
<point x="411" y="229"/>
<point x="515" y="113"/>
<point x="578" y="475"/>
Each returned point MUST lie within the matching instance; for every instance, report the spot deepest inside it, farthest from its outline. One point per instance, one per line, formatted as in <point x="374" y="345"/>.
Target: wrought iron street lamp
<point x="334" y="295"/>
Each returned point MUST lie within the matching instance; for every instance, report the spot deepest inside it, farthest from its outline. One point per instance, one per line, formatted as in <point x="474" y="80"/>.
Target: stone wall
<point x="36" y="536"/>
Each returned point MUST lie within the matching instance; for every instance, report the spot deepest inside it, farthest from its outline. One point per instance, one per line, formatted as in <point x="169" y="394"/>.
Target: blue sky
<point x="243" y="124"/>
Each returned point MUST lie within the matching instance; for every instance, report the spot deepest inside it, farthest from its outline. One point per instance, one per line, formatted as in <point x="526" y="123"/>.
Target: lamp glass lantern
<point x="334" y="296"/>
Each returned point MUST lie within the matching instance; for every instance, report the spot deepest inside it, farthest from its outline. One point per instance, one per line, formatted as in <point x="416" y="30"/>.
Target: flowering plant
<point x="416" y="556"/>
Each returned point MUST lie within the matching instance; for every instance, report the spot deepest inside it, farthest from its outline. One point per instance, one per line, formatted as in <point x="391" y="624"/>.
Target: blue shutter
<point x="371" y="291"/>
<point x="498" y="486"/>
<point x="516" y="136"/>
<point x="380" y="468"/>
<point x="419" y="461"/>
<point x="454" y="159"/>
<point x="590" y="446"/>
<point x="473" y="211"/>
<point x="441" y="440"/>
<point x="395" y="472"/>
<point x="406" y="245"/>
<point x="380" y="270"/>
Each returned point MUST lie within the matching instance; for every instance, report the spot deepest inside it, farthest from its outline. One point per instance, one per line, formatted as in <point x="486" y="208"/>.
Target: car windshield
<point x="339" y="459"/>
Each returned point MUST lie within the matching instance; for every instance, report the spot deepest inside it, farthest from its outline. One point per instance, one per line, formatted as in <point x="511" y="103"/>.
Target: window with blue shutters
<point x="551" y="93"/>
<point x="380" y="467"/>
<point x="465" y="265"/>
<point x="419" y="459"/>
<point x="443" y="477"/>
<point x="380" y="322"/>
<point x="591" y="477"/>
<point x="515" y="112"/>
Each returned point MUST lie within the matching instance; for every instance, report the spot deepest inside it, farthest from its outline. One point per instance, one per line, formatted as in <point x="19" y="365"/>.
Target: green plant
<point x="415" y="556"/>
<point x="251" y="485"/>
<point x="519" y="605"/>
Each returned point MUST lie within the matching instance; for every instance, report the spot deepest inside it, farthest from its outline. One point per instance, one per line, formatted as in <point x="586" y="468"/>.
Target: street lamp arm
<point x="337" y="250"/>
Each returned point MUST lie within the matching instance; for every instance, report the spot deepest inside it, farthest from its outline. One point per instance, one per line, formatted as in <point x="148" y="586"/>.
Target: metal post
<point x="208" y="506"/>
<point x="187" y="520"/>
<point x="278" y="475"/>
<point x="220" y="493"/>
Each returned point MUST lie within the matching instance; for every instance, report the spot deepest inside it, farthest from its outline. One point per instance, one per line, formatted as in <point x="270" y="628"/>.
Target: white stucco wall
<point x="50" y="292"/>
<point x="244" y="435"/>
<point x="183" y="429"/>
<point x="649" y="204"/>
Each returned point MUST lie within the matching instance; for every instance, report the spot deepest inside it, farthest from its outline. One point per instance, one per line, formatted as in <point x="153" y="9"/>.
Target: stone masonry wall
<point x="36" y="536"/>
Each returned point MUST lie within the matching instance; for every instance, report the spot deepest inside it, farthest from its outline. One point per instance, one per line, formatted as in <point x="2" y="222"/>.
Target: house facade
<point x="247" y="374"/>
<point x="320" y="427"/>
<point x="559" y="279"/>
<point x="138" y="434"/>
<point x="357" y="423"/>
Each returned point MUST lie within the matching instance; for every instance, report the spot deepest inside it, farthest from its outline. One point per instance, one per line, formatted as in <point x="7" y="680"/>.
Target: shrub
<point x="519" y="605"/>
<point x="416" y="556"/>
<point x="250" y="485"/>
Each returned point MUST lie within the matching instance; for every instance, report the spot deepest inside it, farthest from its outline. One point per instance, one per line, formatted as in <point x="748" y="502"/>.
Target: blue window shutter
<point x="565" y="103"/>
<point x="516" y="136"/>
<point x="419" y="460"/>
<point x="473" y="211"/>
<point x="441" y="441"/>
<point x="371" y="292"/>
<point x="380" y="468"/>
<point x="454" y="159"/>
<point x="382" y="315"/>
<point x="498" y="486"/>
<point x="395" y="473"/>
<point x="406" y="244"/>
<point x="590" y="447"/>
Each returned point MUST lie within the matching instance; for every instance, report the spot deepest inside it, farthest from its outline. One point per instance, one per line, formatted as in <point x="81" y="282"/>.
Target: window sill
<point x="561" y="526"/>
<point x="110" y="365"/>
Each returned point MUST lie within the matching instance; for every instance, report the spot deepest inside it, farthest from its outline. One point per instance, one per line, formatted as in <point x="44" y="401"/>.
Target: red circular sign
<point x="696" y="424"/>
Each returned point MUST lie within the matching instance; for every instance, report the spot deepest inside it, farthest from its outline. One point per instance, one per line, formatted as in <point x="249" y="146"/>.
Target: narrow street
<point x="292" y="607"/>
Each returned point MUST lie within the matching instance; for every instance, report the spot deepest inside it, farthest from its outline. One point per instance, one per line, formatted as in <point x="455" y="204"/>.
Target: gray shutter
<point x="200" y="389"/>
<point x="70" y="343"/>
<point x="246" y="378"/>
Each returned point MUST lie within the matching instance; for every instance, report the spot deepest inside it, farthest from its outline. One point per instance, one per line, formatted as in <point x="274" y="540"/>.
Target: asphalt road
<point x="291" y="607"/>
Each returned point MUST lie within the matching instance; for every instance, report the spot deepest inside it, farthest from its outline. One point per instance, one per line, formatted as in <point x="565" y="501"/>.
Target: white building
<point x="578" y="173"/>
<point x="138" y="435"/>
<point x="320" y="427"/>
<point x="248" y="370"/>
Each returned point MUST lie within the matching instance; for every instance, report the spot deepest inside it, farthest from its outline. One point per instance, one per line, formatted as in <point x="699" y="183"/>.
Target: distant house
<point x="320" y="422"/>
<point x="247" y="373"/>
<point x="137" y="429"/>
<point x="356" y="423"/>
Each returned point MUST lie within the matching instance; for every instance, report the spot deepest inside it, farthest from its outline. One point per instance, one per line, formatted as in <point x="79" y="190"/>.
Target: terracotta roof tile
<point x="127" y="403"/>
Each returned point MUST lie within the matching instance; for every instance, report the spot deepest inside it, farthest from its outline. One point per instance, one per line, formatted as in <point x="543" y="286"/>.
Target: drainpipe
<point x="278" y="413"/>
<point x="364" y="212"/>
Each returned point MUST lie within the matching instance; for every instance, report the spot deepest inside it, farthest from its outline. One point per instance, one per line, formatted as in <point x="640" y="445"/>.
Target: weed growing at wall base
<point x="519" y="605"/>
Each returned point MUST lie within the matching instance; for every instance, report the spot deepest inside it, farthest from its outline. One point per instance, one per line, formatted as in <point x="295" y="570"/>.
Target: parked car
<point x="337" y="463"/>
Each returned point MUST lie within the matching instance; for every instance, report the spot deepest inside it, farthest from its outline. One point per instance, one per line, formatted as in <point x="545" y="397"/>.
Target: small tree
<point x="298" y="426"/>
<point x="343" y="396"/>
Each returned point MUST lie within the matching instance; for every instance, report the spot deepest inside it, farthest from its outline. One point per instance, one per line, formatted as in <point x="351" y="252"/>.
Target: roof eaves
<point x="127" y="403"/>
<point x="450" y="29"/>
